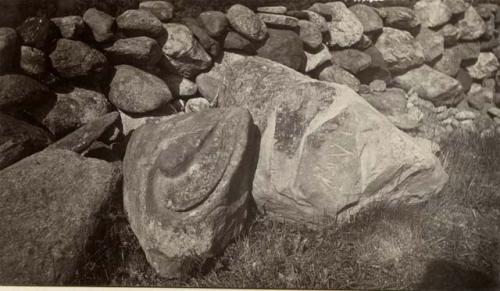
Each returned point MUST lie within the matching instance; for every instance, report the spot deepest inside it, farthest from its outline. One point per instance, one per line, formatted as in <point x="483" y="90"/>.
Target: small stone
<point x="100" y="23"/>
<point x="140" y="23"/>
<point x="197" y="105"/>
<point x="71" y="27"/>
<point x="33" y="61"/>
<point x="317" y="19"/>
<point x="285" y="47"/>
<point x="378" y="86"/>
<point x="142" y="52"/>
<point x="163" y="10"/>
<point x="310" y="34"/>
<point x="180" y="86"/>
<point x="236" y="42"/>
<point x="456" y="6"/>
<point x="272" y="9"/>
<point x="278" y="20"/>
<point x="472" y="26"/>
<point x="494" y="111"/>
<point x="485" y="67"/>
<point x="345" y="28"/>
<point x="400" y="18"/>
<point x="465" y="115"/>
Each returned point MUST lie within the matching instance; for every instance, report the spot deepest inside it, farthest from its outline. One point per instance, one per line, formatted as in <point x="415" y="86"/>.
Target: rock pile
<point x="321" y="112"/>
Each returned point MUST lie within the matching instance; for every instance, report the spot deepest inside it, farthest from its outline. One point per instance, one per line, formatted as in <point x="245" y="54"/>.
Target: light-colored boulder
<point x="449" y="64"/>
<point x="432" y="13"/>
<point x="142" y="52"/>
<point x="245" y="21"/>
<point x="431" y="85"/>
<point x="314" y="60"/>
<point x="472" y="26"/>
<point x="456" y="6"/>
<point x="279" y="21"/>
<point x="324" y="150"/>
<point x="100" y="23"/>
<point x="310" y="34"/>
<point x="432" y="43"/>
<point x="50" y="206"/>
<point x="197" y="105"/>
<point x="272" y="9"/>
<point x="345" y="28"/>
<point x="400" y="50"/>
<point x="399" y="17"/>
<point x="190" y="204"/>
<point x="371" y="21"/>
<point x="139" y="22"/>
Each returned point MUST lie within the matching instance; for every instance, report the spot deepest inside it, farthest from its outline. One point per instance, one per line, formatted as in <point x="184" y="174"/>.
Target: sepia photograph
<point x="250" y="144"/>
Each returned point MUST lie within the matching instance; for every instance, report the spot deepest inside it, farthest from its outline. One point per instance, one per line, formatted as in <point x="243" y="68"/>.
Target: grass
<point x="451" y="242"/>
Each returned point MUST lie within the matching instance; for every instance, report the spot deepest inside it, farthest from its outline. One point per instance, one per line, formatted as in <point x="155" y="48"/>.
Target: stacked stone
<point x="75" y="88"/>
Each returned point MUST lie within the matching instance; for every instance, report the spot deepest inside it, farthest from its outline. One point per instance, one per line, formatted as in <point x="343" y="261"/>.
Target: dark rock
<point x="33" y="61"/>
<point x="36" y="32"/>
<point x="285" y="47"/>
<point x="207" y="42"/>
<point x="236" y="42"/>
<point x="139" y="23"/>
<point x="19" y="90"/>
<point x="9" y="50"/>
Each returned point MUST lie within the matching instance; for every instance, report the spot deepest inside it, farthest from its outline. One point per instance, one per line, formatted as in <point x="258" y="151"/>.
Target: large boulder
<point x="135" y="91"/>
<point x="432" y="13"/>
<point x="183" y="53"/>
<point x="187" y="183"/>
<point x="485" y="66"/>
<point x="19" y="139"/>
<point x="245" y="21"/>
<point x="472" y="26"/>
<point x="345" y="28"/>
<point x="285" y="47"/>
<point x="72" y="108"/>
<point x="400" y="50"/>
<point x="18" y="90"/>
<point x="431" y="85"/>
<point x="50" y="203"/>
<point x="324" y="150"/>
<point x="75" y="59"/>
<point x="142" y="52"/>
<point x="100" y="23"/>
<point x="9" y="49"/>
<point x="139" y="23"/>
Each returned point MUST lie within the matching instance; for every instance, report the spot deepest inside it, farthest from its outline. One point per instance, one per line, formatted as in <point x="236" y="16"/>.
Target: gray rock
<point x="449" y="64"/>
<point x="456" y="6"/>
<point x="215" y="22"/>
<point x="285" y="47"/>
<point x="431" y="85"/>
<point x="196" y="201"/>
<point x="432" y="44"/>
<point x="279" y="21"/>
<point x="75" y="59"/>
<point x="19" y="139"/>
<point x="378" y="86"/>
<point x="9" y="50"/>
<point x="36" y="32"/>
<point x="71" y="27"/>
<point x="315" y="60"/>
<point x="142" y="52"/>
<point x="100" y="23"/>
<point x="468" y="51"/>
<point x="371" y="21"/>
<point x="184" y="55"/>
<point x="338" y="75"/>
<point x="432" y="13"/>
<point x="377" y="70"/>
<point x="352" y="60"/>
<point x="317" y="19"/>
<point x="245" y="21"/>
<point x="73" y="108"/>
<point x="310" y="34"/>
<point x="19" y="90"/>
<point x="180" y="86"/>
<point x="197" y="105"/>
<point x="207" y="42"/>
<point x="51" y="201"/>
<point x="272" y="9"/>
<point x="400" y="17"/>
<point x="485" y="66"/>
<point x="345" y="28"/>
<point x="163" y="10"/>
<point x="136" y="91"/>
<point x="140" y="23"/>
<point x="236" y="42"/>
<point x="465" y="79"/>
<point x="450" y="34"/>
<point x="33" y="61"/>
<point x="81" y="139"/>
<point x="472" y="26"/>
<point x="400" y="50"/>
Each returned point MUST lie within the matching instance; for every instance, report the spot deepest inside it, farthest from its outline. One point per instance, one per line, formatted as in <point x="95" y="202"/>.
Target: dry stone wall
<point x="287" y="108"/>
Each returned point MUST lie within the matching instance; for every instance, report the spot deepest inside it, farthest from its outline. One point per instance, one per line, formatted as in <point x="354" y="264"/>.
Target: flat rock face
<point x="19" y="139"/>
<point x="49" y="206"/>
<point x="100" y="23"/>
<point x="245" y="21"/>
<point x="432" y="13"/>
<point x="310" y="34"/>
<point x="325" y="150"/>
<point x="183" y="53"/>
<point x="139" y="23"/>
<point x="472" y="26"/>
<point x="9" y="49"/>
<point x="19" y="90"/>
<point x="285" y="47"/>
<point x="352" y="60"/>
<point x="315" y="60"/>
<point x="207" y="42"/>
<point x="189" y="204"/>
<point x="400" y="50"/>
<point x="75" y="59"/>
<point x="369" y="18"/>
<point x="432" y="43"/>
<point x="485" y="66"/>
<point x="215" y="22"/>
<point x="431" y="85"/>
<point x="345" y="28"/>
<point x="136" y="91"/>
<point x="163" y="10"/>
<point x="140" y="51"/>
<point x="449" y="63"/>
<point x="72" y="108"/>
<point x="400" y="17"/>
